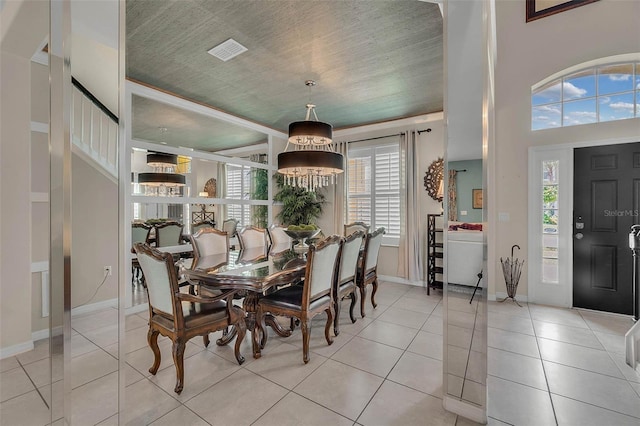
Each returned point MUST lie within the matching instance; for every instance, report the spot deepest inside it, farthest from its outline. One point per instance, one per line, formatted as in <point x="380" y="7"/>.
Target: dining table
<point x="254" y="273"/>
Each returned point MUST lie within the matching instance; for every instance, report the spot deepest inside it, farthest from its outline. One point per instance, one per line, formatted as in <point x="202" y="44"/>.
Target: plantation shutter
<point x="374" y="188"/>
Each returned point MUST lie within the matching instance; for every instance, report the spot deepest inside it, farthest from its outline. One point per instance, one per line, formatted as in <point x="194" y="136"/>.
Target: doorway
<point x="606" y="203"/>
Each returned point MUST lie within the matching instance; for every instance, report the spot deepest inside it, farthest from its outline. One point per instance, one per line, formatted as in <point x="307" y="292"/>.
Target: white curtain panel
<point x="410" y="250"/>
<point x="340" y="190"/>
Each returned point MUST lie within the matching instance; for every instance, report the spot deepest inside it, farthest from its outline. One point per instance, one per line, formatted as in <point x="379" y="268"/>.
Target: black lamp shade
<point x="160" y="159"/>
<point x="166" y="179"/>
<point x="312" y="162"/>
<point x="310" y="132"/>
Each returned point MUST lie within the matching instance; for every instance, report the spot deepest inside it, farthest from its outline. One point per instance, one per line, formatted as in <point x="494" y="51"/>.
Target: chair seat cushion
<point x="291" y="298"/>
<point x="346" y="288"/>
<point x="196" y="314"/>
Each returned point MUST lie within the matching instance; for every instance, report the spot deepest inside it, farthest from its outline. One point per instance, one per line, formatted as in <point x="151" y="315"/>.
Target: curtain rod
<point x="462" y="170"/>
<point x="387" y="136"/>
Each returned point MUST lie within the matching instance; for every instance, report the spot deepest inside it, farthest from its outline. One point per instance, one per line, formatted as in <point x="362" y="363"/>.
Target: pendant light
<point x="313" y="162"/>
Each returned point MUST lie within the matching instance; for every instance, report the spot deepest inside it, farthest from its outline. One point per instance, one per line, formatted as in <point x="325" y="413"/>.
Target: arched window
<point x="586" y="95"/>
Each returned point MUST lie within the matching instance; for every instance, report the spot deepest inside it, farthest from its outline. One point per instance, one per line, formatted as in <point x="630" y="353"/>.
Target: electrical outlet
<point x="107" y="270"/>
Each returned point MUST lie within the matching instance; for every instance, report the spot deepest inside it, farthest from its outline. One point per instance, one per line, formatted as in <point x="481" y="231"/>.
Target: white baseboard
<point x="84" y="309"/>
<point x="136" y="309"/>
<point x="16" y="349"/>
<point x="631" y="340"/>
<point x="471" y="412"/>
<point x="399" y="280"/>
<point x="44" y="333"/>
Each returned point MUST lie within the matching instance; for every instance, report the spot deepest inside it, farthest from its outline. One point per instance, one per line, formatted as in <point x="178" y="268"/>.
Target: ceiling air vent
<point x="227" y="50"/>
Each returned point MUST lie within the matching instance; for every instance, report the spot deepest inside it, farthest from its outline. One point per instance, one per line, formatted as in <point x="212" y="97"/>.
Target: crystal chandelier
<point x="313" y="162"/>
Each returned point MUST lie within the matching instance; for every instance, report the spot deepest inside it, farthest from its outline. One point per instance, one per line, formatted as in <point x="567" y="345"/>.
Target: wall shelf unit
<point x="435" y="251"/>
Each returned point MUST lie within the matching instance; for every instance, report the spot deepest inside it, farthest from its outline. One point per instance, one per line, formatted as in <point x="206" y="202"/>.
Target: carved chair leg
<point x="354" y="299"/>
<point x="363" y="297"/>
<point x="305" y="326"/>
<point x="336" y="320"/>
<point x="205" y="339"/>
<point x="327" y="328"/>
<point x="373" y="293"/>
<point x="178" y="359"/>
<point x="152" y="339"/>
<point x="242" y="330"/>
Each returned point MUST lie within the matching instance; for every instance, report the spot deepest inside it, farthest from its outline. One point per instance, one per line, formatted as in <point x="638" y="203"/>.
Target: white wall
<point x="526" y="54"/>
<point x="23" y="26"/>
<point x="94" y="213"/>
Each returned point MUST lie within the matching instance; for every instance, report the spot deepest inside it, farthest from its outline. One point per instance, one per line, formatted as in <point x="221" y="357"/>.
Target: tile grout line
<point x="386" y="377"/>
<point x="544" y="370"/>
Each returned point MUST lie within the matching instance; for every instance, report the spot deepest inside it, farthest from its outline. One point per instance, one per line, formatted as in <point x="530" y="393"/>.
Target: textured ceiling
<point x="373" y="61"/>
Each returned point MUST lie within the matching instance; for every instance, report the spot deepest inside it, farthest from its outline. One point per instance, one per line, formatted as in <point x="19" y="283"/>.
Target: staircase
<point x="94" y="132"/>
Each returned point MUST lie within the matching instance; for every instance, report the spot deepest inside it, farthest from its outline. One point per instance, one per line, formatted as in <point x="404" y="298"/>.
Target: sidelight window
<point x="550" y="215"/>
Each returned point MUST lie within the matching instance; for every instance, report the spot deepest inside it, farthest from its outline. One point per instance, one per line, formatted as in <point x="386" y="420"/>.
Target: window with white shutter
<point x="239" y="188"/>
<point x="374" y="188"/>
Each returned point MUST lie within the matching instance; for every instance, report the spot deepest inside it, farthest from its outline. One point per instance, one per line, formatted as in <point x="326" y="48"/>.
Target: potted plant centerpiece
<point x="300" y="210"/>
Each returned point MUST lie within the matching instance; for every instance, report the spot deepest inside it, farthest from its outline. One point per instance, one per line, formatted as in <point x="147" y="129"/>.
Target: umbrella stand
<point x="512" y="269"/>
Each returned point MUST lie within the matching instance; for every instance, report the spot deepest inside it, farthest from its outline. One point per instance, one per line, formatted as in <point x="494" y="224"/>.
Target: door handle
<point x="579" y="236"/>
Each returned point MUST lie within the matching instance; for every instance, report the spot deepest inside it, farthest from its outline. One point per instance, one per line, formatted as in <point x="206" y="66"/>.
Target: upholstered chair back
<point x="168" y="234"/>
<point x="157" y="268"/>
<point x="349" y="256"/>
<point x="195" y="227"/>
<point x="209" y="241"/>
<point x="278" y="236"/>
<point x="139" y="233"/>
<point x="372" y="248"/>
<point x="252" y="237"/>
<point x="230" y="226"/>
<point x="350" y="228"/>
<point x="321" y="268"/>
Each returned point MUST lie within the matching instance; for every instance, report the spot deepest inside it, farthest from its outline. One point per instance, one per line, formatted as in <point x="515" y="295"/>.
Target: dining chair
<point x="195" y="227"/>
<point x="278" y="237"/>
<point x="230" y="226"/>
<point x="305" y="301"/>
<point x="367" y="268"/>
<point x="209" y="241"/>
<point x="139" y="234"/>
<point x="181" y="316"/>
<point x="251" y="237"/>
<point x="168" y="234"/>
<point x="352" y="227"/>
<point x="345" y="284"/>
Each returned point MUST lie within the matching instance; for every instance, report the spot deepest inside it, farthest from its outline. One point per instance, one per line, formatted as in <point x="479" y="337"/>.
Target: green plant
<point x="260" y="192"/>
<point x="298" y="205"/>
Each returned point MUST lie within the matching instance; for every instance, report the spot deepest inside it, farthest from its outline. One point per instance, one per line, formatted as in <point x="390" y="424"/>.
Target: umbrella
<point x="512" y="269"/>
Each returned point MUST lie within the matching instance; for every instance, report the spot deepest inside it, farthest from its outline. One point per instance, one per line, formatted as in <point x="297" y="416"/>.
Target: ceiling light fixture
<point x="163" y="180"/>
<point x="312" y="163"/>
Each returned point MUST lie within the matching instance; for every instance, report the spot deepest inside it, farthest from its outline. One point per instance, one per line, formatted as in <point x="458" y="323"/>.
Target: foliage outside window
<point x="598" y="94"/>
<point x="260" y="192"/>
<point x="550" y="239"/>
<point x="374" y="188"/>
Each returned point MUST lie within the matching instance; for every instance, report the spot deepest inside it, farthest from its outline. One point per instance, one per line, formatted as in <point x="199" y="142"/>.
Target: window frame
<point x="598" y="98"/>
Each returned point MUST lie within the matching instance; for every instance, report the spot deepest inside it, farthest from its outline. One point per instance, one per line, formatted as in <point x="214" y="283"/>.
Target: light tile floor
<point x="546" y="366"/>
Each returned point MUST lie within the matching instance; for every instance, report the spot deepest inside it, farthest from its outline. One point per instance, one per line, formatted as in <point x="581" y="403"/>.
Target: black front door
<point x="606" y="202"/>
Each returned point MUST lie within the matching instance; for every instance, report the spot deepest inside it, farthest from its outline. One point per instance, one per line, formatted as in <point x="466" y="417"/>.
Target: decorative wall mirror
<point x="433" y="180"/>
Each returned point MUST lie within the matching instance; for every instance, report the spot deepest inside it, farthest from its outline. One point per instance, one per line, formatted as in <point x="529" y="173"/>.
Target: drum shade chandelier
<point x="163" y="179"/>
<point x="312" y="163"/>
